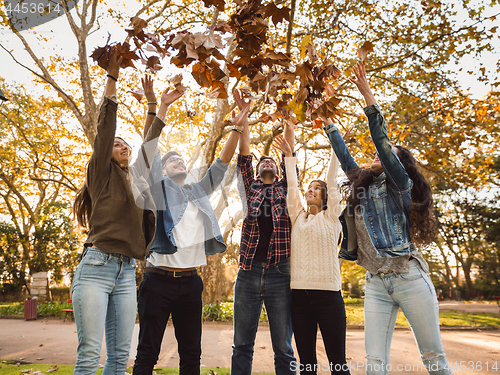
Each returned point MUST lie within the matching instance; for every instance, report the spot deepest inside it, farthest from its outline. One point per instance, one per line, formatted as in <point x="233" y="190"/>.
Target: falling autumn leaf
<point x="138" y="94"/>
<point x="327" y="109"/>
<point x="219" y="4"/>
<point x="313" y="54"/>
<point x="364" y="50"/>
<point x="277" y="14"/>
<point x="152" y="61"/>
<point x="138" y="24"/>
<point x="177" y="82"/>
<point x="317" y="123"/>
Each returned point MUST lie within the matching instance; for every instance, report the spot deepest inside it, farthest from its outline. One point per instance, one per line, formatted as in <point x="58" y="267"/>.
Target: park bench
<point x="68" y="311"/>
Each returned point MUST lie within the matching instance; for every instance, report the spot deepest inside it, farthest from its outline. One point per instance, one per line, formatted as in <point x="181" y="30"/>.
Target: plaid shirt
<point x="252" y="194"/>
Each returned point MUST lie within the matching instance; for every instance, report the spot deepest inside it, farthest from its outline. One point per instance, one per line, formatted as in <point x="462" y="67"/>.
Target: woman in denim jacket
<point x="389" y="208"/>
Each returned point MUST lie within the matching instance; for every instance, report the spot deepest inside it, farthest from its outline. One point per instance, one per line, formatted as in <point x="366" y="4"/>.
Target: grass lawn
<point x="223" y="312"/>
<point x="448" y="318"/>
<point x="10" y="368"/>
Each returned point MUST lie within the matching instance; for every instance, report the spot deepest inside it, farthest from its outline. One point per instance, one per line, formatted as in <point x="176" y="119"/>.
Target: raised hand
<point x="347" y="133"/>
<point x="240" y="101"/>
<point x="114" y="62"/>
<point x="362" y="84"/>
<point x="242" y="118"/>
<point x="168" y="97"/>
<point x="148" y="87"/>
<point x="281" y="144"/>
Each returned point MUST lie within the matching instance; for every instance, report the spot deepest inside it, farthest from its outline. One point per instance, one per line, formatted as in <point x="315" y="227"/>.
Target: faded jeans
<point x="254" y="287"/>
<point x="414" y="293"/>
<point x="104" y="299"/>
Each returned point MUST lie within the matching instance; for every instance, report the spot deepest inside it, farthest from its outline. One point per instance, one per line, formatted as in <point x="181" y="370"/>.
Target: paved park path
<point x="52" y="341"/>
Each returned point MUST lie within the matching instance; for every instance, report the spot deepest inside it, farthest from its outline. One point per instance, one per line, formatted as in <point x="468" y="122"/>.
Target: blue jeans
<point x="104" y="298"/>
<point x="414" y="293"/>
<point x="254" y="287"/>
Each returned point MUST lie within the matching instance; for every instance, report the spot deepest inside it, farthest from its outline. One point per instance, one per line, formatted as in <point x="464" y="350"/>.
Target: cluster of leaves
<point x="267" y="71"/>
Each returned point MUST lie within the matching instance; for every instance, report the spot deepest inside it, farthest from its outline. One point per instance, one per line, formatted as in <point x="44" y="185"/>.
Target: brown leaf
<point x="181" y="60"/>
<point x="152" y="61"/>
<point x="277" y="14"/>
<point x="327" y="70"/>
<point x="222" y="26"/>
<point x="313" y="54"/>
<point x="219" y="4"/>
<point x="137" y="24"/>
<point x="287" y="76"/>
<point x="364" y="50"/>
<point x="52" y="369"/>
<point x="329" y="90"/>
<point x="213" y="41"/>
<point x="277" y="58"/>
<point x="138" y="94"/>
<point x="101" y="56"/>
<point x="301" y="95"/>
<point x="177" y="82"/>
<point x="272" y="117"/>
<point x="233" y="70"/>
<point x="200" y="74"/>
<point x="317" y="123"/>
<point x="304" y="71"/>
<point x="327" y="109"/>
<point x="221" y="90"/>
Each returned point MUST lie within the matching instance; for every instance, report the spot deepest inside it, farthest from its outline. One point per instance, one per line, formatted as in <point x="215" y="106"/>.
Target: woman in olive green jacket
<point x="116" y="205"/>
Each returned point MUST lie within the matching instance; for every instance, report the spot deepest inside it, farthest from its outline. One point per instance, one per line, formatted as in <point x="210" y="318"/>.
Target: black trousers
<point x="323" y="308"/>
<point x="159" y="297"/>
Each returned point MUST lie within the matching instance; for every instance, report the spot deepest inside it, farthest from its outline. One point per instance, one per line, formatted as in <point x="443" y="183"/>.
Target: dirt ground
<point x="52" y="341"/>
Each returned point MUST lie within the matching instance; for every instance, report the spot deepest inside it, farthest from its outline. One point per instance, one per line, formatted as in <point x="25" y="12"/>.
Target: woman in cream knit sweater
<point x="315" y="272"/>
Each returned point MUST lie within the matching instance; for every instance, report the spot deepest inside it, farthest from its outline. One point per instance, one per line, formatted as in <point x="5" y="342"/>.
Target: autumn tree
<point x="415" y="46"/>
<point x="39" y="172"/>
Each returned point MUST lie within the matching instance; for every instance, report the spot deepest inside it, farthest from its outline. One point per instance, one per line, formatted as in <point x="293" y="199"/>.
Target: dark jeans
<point x="160" y="296"/>
<point x="325" y="308"/>
<point x="255" y="287"/>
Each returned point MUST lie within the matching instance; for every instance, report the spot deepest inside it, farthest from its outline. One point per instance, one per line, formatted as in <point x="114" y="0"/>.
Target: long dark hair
<point x="423" y="223"/>
<point x="82" y="206"/>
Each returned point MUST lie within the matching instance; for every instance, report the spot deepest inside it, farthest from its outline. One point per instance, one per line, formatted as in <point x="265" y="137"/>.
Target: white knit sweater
<point x="315" y="238"/>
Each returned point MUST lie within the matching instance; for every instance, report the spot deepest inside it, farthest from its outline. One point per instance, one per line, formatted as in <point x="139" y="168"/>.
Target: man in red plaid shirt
<point x="264" y="274"/>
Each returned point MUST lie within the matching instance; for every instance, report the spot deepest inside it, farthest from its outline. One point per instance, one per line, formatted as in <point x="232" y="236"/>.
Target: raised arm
<point x="167" y="98"/>
<point x="334" y="208"/>
<point x="149" y="93"/>
<point x="394" y="170"/>
<point x="240" y="123"/>
<point x="293" y="199"/>
<point x="244" y="142"/>
<point x="99" y="164"/>
<point x="339" y="147"/>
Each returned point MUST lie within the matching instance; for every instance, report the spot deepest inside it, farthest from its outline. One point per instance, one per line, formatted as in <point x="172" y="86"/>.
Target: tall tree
<point x="37" y="179"/>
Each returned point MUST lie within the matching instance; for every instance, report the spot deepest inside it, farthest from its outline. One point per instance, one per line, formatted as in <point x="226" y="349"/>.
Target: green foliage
<point x="44" y="310"/>
<point x="223" y="312"/>
<point x="14" y="309"/>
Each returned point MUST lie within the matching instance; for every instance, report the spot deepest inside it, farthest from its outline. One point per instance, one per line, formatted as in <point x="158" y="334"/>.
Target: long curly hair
<point x="423" y="222"/>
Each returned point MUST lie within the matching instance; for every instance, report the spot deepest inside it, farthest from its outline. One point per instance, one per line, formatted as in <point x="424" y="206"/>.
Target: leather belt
<point x="161" y="271"/>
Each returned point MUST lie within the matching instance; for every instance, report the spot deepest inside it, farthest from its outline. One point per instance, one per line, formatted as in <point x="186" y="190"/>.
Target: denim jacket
<point x="385" y="207"/>
<point x="171" y="201"/>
